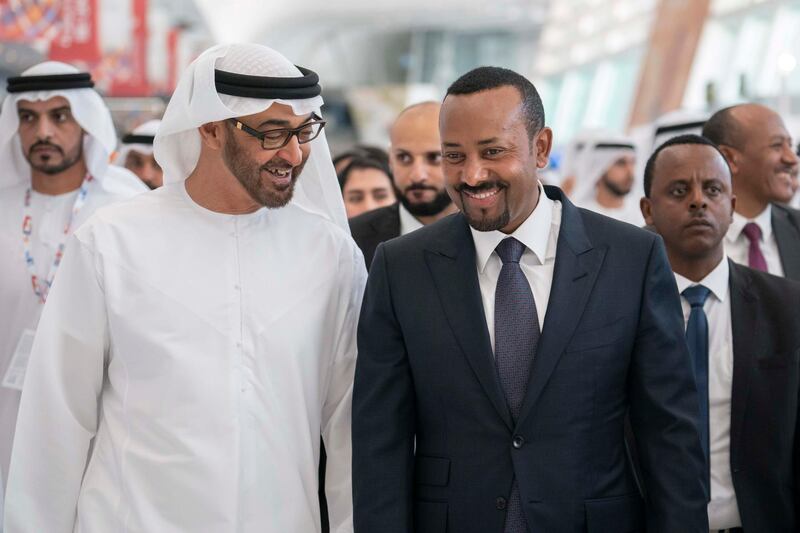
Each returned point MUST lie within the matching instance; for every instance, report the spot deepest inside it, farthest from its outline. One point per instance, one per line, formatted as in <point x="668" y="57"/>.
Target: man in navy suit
<point x="502" y="348"/>
<point x="744" y="333"/>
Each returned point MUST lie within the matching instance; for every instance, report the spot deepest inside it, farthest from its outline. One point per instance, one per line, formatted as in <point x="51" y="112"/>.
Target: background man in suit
<point x="415" y="157"/>
<point x="500" y="350"/>
<point x="747" y="347"/>
<point x="765" y="233"/>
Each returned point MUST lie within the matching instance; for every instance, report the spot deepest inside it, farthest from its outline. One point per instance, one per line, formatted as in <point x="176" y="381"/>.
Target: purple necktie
<point x="755" y="259"/>
<point x="516" y="334"/>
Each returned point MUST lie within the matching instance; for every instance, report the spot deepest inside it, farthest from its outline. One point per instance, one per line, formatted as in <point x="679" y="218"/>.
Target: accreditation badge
<point x="15" y="373"/>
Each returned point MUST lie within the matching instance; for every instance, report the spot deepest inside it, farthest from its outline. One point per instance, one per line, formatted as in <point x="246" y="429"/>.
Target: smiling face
<point x="268" y="176"/>
<point x="764" y="160"/>
<point x="51" y="138"/>
<point x="691" y="203"/>
<point x="490" y="162"/>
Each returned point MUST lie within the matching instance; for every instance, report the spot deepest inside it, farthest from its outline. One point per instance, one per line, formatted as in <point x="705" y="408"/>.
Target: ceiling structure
<point x="275" y="22"/>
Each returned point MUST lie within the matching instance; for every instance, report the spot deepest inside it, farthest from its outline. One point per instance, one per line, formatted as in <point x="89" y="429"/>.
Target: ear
<point x="732" y="155"/>
<point x="544" y="143"/>
<point x="212" y="134"/>
<point x="733" y="207"/>
<point x="647" y="210"/>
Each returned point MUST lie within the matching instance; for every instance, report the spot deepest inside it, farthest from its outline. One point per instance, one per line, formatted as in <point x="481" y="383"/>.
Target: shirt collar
<point x="716" y="281"/>
<point x="763" y="219"/>
<point x="408" y="222"/>
<point x="534" y="233"/>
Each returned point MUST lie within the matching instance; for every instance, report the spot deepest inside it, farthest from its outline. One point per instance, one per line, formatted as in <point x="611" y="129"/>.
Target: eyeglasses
<point x="278" y="138"/>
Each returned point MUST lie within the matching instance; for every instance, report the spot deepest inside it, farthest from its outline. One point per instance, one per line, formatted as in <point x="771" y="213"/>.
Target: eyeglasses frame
<point x="293" y="132"/>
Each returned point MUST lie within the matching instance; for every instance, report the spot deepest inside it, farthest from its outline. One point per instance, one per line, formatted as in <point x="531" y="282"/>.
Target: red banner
<point x="173" y="38"/>
<point x="77" y="41"/>
<point x="134" y="80"/>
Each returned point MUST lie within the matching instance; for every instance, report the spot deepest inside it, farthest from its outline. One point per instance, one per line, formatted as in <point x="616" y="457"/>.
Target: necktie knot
<point x="510" y="250"/>
<point x="696" y="295"/>
<point x="752" y="231"/>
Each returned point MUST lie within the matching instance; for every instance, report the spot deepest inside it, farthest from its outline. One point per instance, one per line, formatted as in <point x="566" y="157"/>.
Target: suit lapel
<point x="744" y="327"/>
<point x="452" y="265"/>
<point x="575" y="272"/>
<point x="787" y="236"/>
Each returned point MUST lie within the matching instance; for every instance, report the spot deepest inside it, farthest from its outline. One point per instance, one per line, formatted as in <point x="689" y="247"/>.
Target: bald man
<point x="765" y="233"/>
<point x="415" y="158"/>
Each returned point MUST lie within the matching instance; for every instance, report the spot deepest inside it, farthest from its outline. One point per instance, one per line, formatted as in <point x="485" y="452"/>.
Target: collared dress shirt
<point x="539" y="234"/>
<point x="737" y="246"/>
<point x="408" y="222"/>
<point x="723" y="510"/>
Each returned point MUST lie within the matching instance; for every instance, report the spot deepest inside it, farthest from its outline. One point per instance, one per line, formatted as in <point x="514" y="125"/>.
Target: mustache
<point x="481" y="187"/>
<point x="43" y="144"/>
<point x="420" y="187"/>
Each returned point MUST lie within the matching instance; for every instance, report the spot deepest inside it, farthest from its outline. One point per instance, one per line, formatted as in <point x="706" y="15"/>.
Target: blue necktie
<point x="516" y="334"/>
<point x="697" y="339"/>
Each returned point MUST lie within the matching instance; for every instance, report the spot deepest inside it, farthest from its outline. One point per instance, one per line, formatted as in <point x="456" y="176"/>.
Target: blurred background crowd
<point x="617" y="69"/>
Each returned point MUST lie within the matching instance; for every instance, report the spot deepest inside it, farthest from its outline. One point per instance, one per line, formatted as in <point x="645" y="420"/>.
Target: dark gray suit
<point x="434" y="446"/>
<point x="765" y="415"/>
<point x="374" y="227"/>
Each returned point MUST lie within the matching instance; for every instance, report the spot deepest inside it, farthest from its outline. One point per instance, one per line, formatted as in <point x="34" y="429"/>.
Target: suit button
<point x="518" y="441"/>
<point x="500" y="503"/>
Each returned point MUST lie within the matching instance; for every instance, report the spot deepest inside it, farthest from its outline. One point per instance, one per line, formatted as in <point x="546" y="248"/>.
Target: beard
<point x="482" y="223"/>
<point x="248" y="173"/>
<point x="424" y="209"/>
<point x="49" y="167"/>
<point x="615" y="188"/>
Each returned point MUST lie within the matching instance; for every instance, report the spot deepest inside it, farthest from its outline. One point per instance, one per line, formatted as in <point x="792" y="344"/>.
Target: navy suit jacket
<point x="433" y="441"/>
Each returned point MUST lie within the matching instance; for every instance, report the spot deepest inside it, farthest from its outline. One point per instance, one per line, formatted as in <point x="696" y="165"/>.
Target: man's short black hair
<point x="689" y="138"/>
<point x="486" y="78"/>
<point x="360" y="162"/>
<point x="723" y="128"/>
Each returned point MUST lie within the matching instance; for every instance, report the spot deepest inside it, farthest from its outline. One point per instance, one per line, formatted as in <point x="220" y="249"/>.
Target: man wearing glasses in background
<point x="201" y="338"/>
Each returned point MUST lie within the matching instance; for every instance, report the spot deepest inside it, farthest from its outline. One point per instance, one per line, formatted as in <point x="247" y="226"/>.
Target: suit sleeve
<point x="383" y="413"/>
<point x="60" y="400"/>
<point x="664" y="407"/>
<point x="336" y="413"/>
<point x="796" y="465"/>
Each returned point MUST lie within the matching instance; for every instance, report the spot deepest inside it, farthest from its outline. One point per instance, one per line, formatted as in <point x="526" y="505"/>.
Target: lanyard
<point x="42" y="287"/>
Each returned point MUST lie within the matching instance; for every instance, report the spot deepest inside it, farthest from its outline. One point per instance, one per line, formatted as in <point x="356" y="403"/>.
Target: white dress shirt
<point x="408" y="222"/>
<point x="184" y="367"/>
<point x="539" y="234"/>
<point x="723" y="511"/>
<point x="737" y="246"/>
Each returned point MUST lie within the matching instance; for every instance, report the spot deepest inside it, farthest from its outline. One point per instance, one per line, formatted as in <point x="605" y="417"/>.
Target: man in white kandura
<point x="56" y="136"/>
<point x="201" y="337"/>
<point x="136" y="154"/>
<point x="605" y="182"/>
